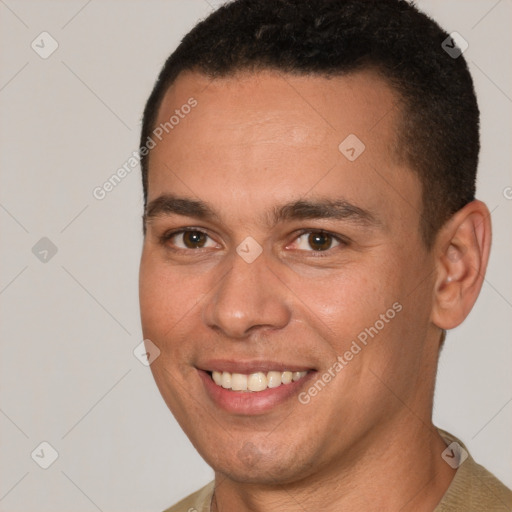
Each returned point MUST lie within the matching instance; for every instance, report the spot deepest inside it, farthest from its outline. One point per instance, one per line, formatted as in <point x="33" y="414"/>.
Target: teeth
<point x="217" y="378"/>
<point x="273" y="379"/>
<point x="226" y="380"/>
<point x="258" y="381"/>
<point x="239" y="382"/>
<point x="286" y="377"/>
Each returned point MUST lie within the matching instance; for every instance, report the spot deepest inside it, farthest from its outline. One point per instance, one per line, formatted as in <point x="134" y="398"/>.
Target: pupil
<point x="193" y="239"/>
<point x="320" y="241"/>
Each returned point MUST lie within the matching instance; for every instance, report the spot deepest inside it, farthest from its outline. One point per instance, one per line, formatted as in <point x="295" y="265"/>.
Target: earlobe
<point x="462" y="252"/>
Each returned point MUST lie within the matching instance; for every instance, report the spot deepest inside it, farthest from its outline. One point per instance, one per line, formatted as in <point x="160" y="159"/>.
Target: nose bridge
<point x="248" y="296"/>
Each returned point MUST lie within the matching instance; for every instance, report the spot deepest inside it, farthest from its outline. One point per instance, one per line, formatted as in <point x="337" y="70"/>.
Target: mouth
<point x="255" y="382"/>
<point x="253" y="388"/>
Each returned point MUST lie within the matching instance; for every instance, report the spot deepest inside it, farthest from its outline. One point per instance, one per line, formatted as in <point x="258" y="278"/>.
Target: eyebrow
<point x="338" y="209"/>
<point x="168" y="204"/>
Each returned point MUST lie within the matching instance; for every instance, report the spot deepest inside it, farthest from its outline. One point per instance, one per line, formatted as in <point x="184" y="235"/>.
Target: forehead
<point x="254" y="132"/>
<point x="356" y="101"/>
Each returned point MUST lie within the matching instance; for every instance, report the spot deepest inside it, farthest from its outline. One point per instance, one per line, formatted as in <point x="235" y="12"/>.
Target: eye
<point x="189" y="239"/>
<point x="317" y="240"/>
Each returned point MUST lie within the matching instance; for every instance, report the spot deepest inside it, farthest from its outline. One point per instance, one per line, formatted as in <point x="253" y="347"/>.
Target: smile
<point x="255" y="382"/>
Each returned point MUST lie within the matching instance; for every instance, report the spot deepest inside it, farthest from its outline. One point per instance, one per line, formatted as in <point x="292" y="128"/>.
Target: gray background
<point x="70" y="324"/>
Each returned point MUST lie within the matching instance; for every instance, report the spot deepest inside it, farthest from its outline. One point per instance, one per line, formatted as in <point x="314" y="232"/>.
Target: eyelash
<point x="343" y="242"/>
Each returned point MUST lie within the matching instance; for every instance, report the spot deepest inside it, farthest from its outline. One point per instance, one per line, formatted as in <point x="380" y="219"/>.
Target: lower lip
<point x="252" y="402"/>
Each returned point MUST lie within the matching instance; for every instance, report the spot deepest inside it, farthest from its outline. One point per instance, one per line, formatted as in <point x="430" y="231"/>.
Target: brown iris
<point x="194" y="239"/>
<point x="320" y="241"/>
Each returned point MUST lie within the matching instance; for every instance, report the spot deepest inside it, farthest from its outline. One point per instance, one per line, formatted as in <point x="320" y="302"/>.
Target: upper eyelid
<point x="171" y="233"/>
<point x="305" y="231"/>
<point x="341" y="239"/>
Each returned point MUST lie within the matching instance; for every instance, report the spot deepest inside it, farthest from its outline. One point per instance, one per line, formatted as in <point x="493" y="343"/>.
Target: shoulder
<point x="473" y="487"/>
<point x="196" y="502"/>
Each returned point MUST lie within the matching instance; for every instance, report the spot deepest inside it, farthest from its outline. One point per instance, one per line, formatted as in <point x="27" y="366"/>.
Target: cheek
<point x="367" y="312"/>
<point x="346" y="301"/>
<point x="162" y="298"/>
<point x="164" y="303"/>
<point x="150" y="296"/>
<point x="170" y="298"/>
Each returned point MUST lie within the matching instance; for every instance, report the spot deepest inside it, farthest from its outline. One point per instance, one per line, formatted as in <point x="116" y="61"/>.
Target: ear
<point x="461" y="255"/>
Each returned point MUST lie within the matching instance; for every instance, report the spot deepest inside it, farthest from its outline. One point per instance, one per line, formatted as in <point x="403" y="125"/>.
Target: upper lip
<point x="247" y="367"/>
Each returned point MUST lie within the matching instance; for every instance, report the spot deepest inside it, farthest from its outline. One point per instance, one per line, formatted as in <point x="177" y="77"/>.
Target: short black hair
<point x="438" y="132"/>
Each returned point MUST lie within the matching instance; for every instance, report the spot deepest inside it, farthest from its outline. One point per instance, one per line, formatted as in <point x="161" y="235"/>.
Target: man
<point x="311" y="233"/>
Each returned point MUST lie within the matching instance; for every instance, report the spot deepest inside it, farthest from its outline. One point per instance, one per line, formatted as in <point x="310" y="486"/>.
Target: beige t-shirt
<point x="473" y="489"/>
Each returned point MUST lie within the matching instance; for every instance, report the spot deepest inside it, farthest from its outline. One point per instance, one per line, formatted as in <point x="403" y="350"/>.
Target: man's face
<point x="342" y="268"/>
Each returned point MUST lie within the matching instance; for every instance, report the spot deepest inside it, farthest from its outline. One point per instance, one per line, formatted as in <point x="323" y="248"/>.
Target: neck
<point x="405" y="472"/>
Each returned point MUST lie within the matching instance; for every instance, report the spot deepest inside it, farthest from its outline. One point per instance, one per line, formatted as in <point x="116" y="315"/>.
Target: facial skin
<point x="254" y="143"/>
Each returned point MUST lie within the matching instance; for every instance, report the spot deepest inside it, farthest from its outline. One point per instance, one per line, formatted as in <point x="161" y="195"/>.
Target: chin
<point x="252" y="466"/>
<point x="260" y="474"/>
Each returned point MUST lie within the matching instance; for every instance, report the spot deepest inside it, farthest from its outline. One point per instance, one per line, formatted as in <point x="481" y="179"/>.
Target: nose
<point x="249" y="297"/>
